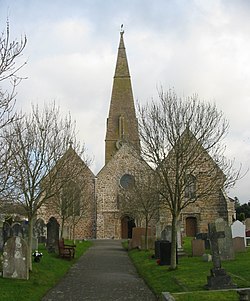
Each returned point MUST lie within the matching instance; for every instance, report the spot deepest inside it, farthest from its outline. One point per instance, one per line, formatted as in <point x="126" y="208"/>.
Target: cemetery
<point x="208" y="264"/>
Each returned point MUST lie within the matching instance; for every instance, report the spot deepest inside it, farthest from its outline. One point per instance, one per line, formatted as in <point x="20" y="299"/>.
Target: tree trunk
<point x="146" y="234"/>
<point x="61" y="234"/>
<point x="30" y="235"/>
<point x="173" y="264"/>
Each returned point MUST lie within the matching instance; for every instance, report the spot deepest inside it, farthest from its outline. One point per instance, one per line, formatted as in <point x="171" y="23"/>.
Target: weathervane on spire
<point x="122" y="30"/>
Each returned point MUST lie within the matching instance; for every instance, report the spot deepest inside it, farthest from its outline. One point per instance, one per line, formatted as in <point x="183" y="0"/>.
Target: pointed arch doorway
<point x="127" y="224"/>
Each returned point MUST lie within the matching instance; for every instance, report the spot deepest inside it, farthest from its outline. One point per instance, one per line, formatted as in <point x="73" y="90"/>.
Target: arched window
<point x="190" y="187"/>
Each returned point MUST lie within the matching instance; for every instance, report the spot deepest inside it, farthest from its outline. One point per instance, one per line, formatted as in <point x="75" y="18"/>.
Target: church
<point x="122" y="162"/>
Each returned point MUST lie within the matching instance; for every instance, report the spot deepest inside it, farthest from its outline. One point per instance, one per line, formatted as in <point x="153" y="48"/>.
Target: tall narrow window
<point x="190" y="187"/>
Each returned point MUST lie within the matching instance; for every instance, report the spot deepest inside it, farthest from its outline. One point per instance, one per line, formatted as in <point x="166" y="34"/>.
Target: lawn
<point x="187" y="282"/>
<point x="44" y="276"/>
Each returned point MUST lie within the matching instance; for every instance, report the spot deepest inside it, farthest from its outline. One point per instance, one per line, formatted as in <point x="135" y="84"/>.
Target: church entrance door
<point x="127" y="224"/>
<point x="191" y="226"/>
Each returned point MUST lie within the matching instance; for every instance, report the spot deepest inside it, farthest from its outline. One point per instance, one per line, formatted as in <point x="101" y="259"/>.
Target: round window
<point x="127" y="181"/>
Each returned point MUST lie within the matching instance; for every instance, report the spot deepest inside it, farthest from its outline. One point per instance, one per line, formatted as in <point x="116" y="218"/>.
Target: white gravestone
<point x="239" y="230"/>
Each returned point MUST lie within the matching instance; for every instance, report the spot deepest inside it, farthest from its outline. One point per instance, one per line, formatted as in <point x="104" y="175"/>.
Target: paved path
<point x="104" y="272"/>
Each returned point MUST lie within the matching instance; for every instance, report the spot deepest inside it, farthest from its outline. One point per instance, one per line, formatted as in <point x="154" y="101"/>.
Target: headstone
<point x="225" y="243"/>
<point x="52" y="235"/>
<point x="204" y="236"/>
<point x="15" y="263"/>
<point x="166" y="233"/>
<point x="40" y="230"/>
<point x="248" y="237"/>
<point x="25" y="226"/>
<point x="198" y="247"/>
<point x="7" y="231"/>
<point x="247" y="223"/>
<point x="17" y="230"/>
<point x="165" y="252"/>
<point x="239" y="244"/>
<point x="137" y="233"/>
<point x="239" y="230"/>
<point x="34" y="243"/>
<point x="218" y="279"/>
<point x="157" y="249"/>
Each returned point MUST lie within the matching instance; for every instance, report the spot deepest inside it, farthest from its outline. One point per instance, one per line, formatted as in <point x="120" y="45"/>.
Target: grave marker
<point x="218" y="278"/>
<point x="239" y="230"/>
<point x="52" y="235"/>
<point x="15" y="263"/>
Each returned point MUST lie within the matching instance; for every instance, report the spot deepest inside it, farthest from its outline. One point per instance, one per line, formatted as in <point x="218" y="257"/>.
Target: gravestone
<point x="7" y="231"/>
<point x="248" y="237"/>
<point x="198" y="247"/>
<point x="25" y="227"/>
<point x="218" y="279"/>
<point x="166" y="234"/>
<point x="137" y="233"/>
<point x="40" y="230"/>
<point x="239" y="244"/>
<point x="17" y="230"/>
<point x="15" y="263"/>
<point x="52" y="235"/>
<point x="247" y="223"/>
<point x="204" y="236"/>
<point x="225" y="243"/>
<point x="239" y="230"/>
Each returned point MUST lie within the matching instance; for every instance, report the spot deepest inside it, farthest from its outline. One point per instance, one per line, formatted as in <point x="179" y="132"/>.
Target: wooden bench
<point x="66" y="251"/>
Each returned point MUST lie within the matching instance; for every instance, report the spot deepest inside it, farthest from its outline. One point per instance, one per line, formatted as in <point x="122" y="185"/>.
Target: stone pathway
<point x="104" y="272"/>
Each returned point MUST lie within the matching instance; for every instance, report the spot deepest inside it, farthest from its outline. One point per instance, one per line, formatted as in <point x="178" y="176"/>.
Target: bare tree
<point x="10" y="53"/>
<point x="140" y="199"/>
<point x="37" y="143"/>
<point x="179" y="136"/>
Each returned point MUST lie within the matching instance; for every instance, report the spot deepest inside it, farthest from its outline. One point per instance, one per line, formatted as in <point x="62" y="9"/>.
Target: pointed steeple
<point x="122" y="125"/>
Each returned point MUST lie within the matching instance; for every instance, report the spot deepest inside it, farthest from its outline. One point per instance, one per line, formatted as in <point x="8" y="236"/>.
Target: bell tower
<point x="122" y="125"/>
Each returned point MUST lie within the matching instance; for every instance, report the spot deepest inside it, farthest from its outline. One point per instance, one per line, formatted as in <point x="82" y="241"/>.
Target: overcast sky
<point x="194" y="46"/>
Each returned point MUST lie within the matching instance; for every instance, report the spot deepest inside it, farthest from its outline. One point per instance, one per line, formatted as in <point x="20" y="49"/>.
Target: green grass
<point x="188" y="280"/>
<point x="44" y="276"/>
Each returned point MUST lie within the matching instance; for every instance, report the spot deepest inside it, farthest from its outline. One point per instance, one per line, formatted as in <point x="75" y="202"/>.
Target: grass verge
<point x="44" y="276"/>
<point x="187" y="282"/>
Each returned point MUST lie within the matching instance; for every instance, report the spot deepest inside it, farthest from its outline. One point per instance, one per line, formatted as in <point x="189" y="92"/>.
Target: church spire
<point x="122" y="126"/>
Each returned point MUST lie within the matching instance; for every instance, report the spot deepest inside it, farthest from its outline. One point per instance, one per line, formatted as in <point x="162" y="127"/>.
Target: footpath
<point x="104" y="272"/>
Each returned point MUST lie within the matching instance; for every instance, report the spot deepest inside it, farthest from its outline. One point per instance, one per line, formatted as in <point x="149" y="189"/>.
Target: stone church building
<point x="122" y="161"/>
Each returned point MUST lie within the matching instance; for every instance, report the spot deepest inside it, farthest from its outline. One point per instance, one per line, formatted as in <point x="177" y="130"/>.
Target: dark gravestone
<point x="52" y="235"/>
<point x="15" y="263"/>
<point x="7" y="231"/>
<point x="157" y="249"/>
<point x="204" y="236"/>
<point x="165" y="252"/>
<point x="25" y="226"/>
<point x="219" y="278"/>
<point x="17" y="230"/>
